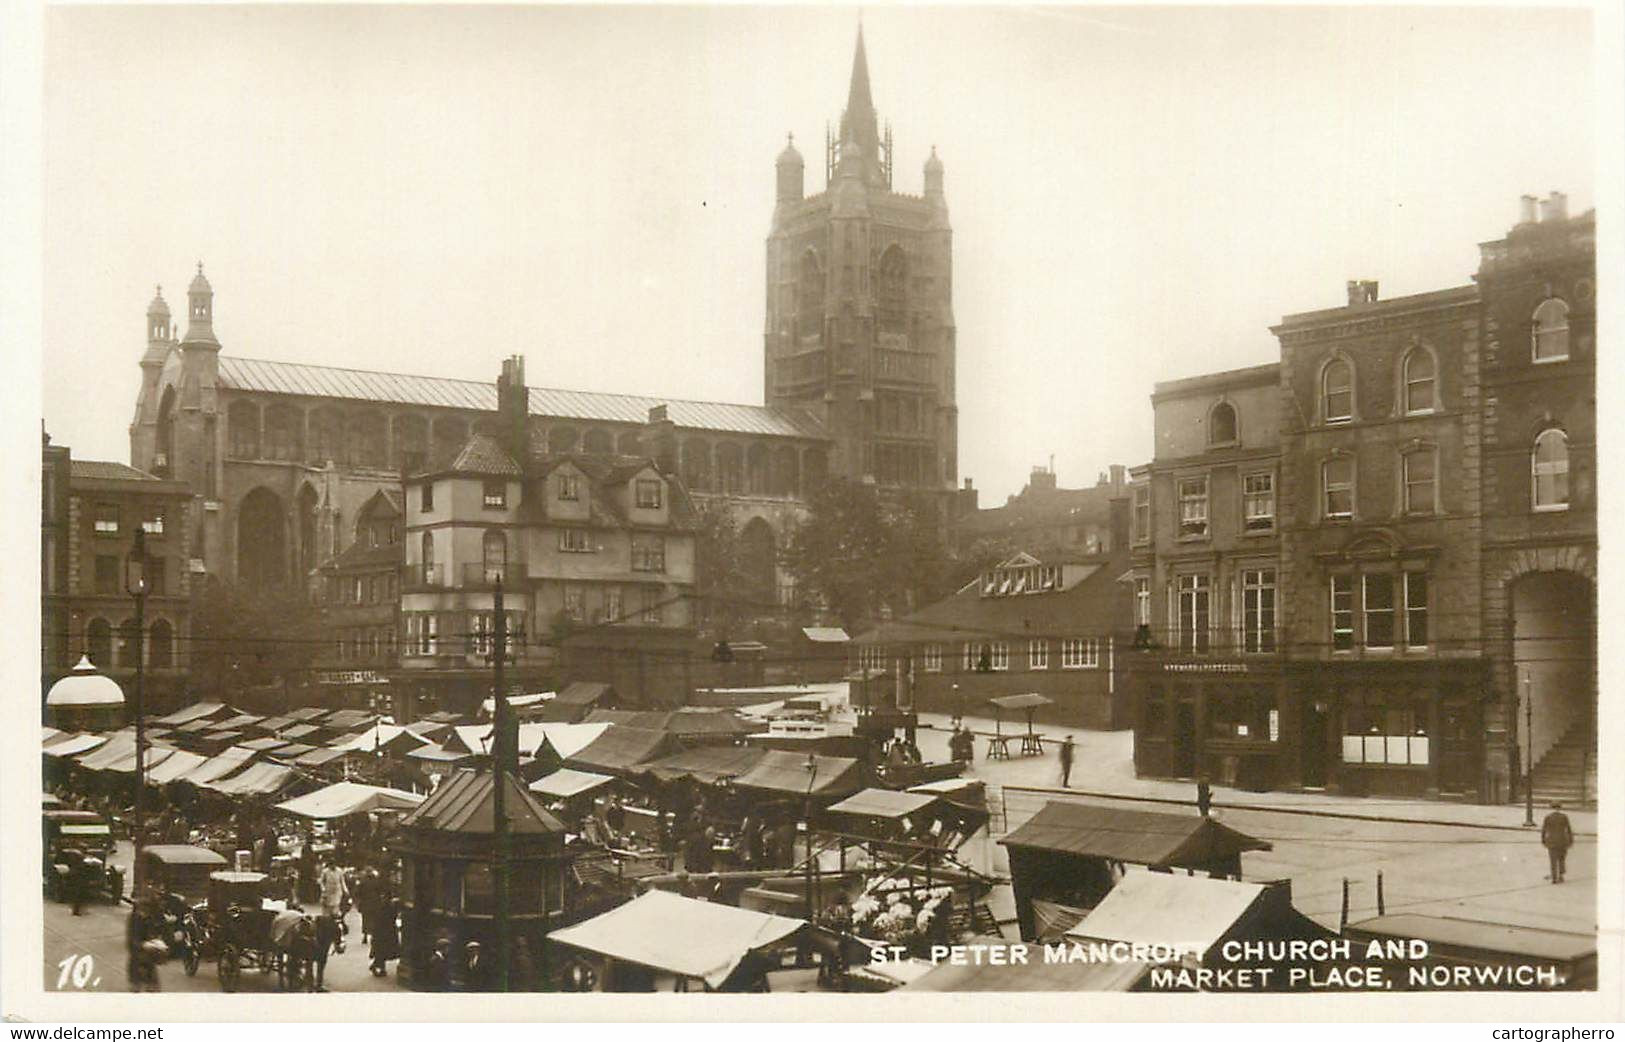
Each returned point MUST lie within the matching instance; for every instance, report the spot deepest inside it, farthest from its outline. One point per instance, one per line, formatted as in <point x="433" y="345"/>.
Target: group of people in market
<point x="763" y="840"/>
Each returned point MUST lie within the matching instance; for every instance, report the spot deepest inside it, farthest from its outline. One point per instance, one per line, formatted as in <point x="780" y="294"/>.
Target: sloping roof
<point x="621" y="748"/>
<point x="679" y="935"/>
<point x="1138" y="837"/>
<point x="708" y="764"/>
<point x="219" y="765"/>
<point x="320" y="757"/>
<point x="104" y="470"/>
<point x="359" y="555"/>
<point x="341" y="799"/>
<point x="195" y="711"/>
<point x="347" y="719"/>
<point x="583" y="692"/>
<point x="481" y="454"/>
<point x="259" y="779"/>
<point x="261" y="745"/>
<point x="329" y="382"/>
<point x="565" y="739"/>
<point x="564" y="783"/>
<point x="681" y="722"/>
<point x="1089" y="604"/>
<point x="183" y="854"/>
<point x="463" y="803"/>
<point x="307" y="713"/>
<point x="781" y="771"/>
<point x="1191" y="913"/>
<point x="882" y="803"/>
<point x="239" y="721"/>
<point x="73" y="745"/>
<point x="825" y="634"/>
<point x="176" y="765"/>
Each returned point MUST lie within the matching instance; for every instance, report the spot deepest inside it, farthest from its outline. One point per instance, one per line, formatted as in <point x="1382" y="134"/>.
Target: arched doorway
<point x="758" y="561"/>
<point x="262" y="559"/>
<point x="1554" y="659"/>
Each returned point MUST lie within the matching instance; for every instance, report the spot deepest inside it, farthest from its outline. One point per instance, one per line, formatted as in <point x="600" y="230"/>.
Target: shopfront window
<point x="1243" y="714"/>
<point x="1388" y="728"/>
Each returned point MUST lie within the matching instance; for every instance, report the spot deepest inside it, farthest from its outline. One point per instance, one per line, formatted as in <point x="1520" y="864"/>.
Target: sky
<point x="1136" y="194"/>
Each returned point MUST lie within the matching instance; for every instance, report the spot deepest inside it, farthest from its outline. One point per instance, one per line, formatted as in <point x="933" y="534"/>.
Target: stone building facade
<point x="860" y="328"/>
<point x="90" y="512"/>
<point x="1432" y="561"/>
<point x="1538" y="288"/>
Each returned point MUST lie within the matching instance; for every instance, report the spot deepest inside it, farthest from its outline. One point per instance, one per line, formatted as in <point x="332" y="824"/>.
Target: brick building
<point x="1044" y="516"/>
<point x="1431" y="566"/>
<point x="90" y="512"/>
<point x="359" y="592"/>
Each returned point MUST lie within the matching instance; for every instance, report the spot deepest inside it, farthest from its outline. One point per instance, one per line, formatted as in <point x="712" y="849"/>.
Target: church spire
<point x="858" y="122"/>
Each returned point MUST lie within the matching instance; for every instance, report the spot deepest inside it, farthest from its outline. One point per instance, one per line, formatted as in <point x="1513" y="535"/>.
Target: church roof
<point x="320" y="381"/>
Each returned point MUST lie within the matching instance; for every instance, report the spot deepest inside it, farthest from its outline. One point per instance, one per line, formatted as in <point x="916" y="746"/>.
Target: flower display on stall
<point x="898" y="913"/>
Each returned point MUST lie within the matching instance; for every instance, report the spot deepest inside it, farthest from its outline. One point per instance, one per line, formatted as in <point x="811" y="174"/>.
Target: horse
<point x="304" y="943"/>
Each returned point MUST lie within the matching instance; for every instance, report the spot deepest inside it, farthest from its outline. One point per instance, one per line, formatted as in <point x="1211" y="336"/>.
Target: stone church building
<point x="282" y="457"/>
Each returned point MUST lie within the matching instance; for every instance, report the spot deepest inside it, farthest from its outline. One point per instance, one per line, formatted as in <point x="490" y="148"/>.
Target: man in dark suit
<point x="1557" y="836"/>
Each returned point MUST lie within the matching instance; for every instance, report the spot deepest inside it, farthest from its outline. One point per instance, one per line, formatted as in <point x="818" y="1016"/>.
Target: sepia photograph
<point x="820" y="503"/>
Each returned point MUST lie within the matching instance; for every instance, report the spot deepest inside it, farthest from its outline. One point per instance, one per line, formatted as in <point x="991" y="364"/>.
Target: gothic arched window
<point x="810" y="295"/>
<point x="893" y="290"/>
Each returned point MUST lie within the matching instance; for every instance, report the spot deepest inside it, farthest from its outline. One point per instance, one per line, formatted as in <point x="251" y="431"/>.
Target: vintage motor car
<point x="82" y="839"/>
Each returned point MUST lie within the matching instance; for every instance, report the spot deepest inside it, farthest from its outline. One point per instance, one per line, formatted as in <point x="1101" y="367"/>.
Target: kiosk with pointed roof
<point x="447" y="847"/>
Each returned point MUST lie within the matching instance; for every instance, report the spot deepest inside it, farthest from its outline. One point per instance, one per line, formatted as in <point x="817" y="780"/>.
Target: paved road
<point x="1462" y="869"/>
<point x="99" y="934"/>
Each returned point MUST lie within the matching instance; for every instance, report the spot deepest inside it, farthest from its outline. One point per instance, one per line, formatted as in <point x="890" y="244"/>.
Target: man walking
<point x="334" y="891"/>
<point x="1557" y="836"/>
<point x="1066" y="762"/>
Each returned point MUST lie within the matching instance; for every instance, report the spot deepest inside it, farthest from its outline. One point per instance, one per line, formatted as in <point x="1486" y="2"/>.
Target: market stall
<point x="621" y="750"/>
<point x="1068" y="856"/>
<point x="706" y="765"/>
<point x="1190" y="918"/>
<point x="342" y="799"/>
<point x="663" y="941"/>
<point x="807" y="775"/>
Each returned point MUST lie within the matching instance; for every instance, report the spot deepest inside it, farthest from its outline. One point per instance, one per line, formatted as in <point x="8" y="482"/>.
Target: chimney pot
<point x="1526" y="209"/>
<point x="1560" y="206"/>
<point x="1548" y="209"/>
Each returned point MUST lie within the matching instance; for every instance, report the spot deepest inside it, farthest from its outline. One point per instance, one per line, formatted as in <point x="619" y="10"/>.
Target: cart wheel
<point x="190" y="958"/>
<point x="230" y="968"/>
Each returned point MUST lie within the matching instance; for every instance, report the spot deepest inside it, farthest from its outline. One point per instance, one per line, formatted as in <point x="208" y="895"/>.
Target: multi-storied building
<point x="90" y="513"/>
<point x="1538" y="288"/>
<point x="1044" y="516"/>
<point x="282" y="457"/>
<point x="1360" y="563"/>
<point x="860" y="327"/>
<point x="594" y="554"/>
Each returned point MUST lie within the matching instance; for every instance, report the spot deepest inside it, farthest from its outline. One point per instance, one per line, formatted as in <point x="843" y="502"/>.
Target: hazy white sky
<point x="1136" y="194"/>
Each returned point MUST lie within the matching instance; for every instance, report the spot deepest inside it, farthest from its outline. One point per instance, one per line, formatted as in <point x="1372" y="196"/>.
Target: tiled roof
<point x="482" y="455"/>
<point x="320" y="381"/>
<point x="103" y="470"/>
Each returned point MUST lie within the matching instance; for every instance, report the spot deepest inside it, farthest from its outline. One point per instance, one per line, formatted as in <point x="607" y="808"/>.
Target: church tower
<point x="860" y="327"/>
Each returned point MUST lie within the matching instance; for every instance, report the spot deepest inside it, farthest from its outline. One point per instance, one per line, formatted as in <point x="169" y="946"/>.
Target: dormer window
<point x="569" y="487"/>
<point x="648" y="492"/>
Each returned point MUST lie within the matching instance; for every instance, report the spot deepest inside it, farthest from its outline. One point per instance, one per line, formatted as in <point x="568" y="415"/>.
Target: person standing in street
<point x="1557" y="835"/>
<point x="1067" y="750"/>
<point x="334" y="891"/>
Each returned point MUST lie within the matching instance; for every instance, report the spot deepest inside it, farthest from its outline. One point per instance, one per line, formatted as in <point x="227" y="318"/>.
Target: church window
<point x="810" y="294"/>
<point x="893" y="290"/>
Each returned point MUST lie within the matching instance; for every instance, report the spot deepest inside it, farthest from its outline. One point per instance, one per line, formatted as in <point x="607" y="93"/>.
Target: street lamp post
<point x="1528" y="752"/>
<point x="135" y="583"/>
<point x="812" y="776"/>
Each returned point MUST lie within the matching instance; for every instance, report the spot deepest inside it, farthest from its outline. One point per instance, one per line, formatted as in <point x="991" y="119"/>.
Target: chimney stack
<point x="1554" y="207"/>
<point x="1362" y="291"/>
<point x="1526" y="209"/>
<point x="1119" y="478"/>
<point x="513" y="407"/>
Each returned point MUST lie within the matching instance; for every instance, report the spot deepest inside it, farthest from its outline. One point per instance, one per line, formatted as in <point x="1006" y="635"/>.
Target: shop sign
<point x="351" y="677"/>
<point x="1204" y="667"/>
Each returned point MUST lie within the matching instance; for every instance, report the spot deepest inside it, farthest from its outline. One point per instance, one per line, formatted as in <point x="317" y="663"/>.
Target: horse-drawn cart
<point x="244" y="931"/>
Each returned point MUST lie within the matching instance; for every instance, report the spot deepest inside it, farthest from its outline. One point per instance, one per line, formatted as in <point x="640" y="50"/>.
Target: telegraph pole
<point x="499" y="777"/>
<point x="1529" y="751"/>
